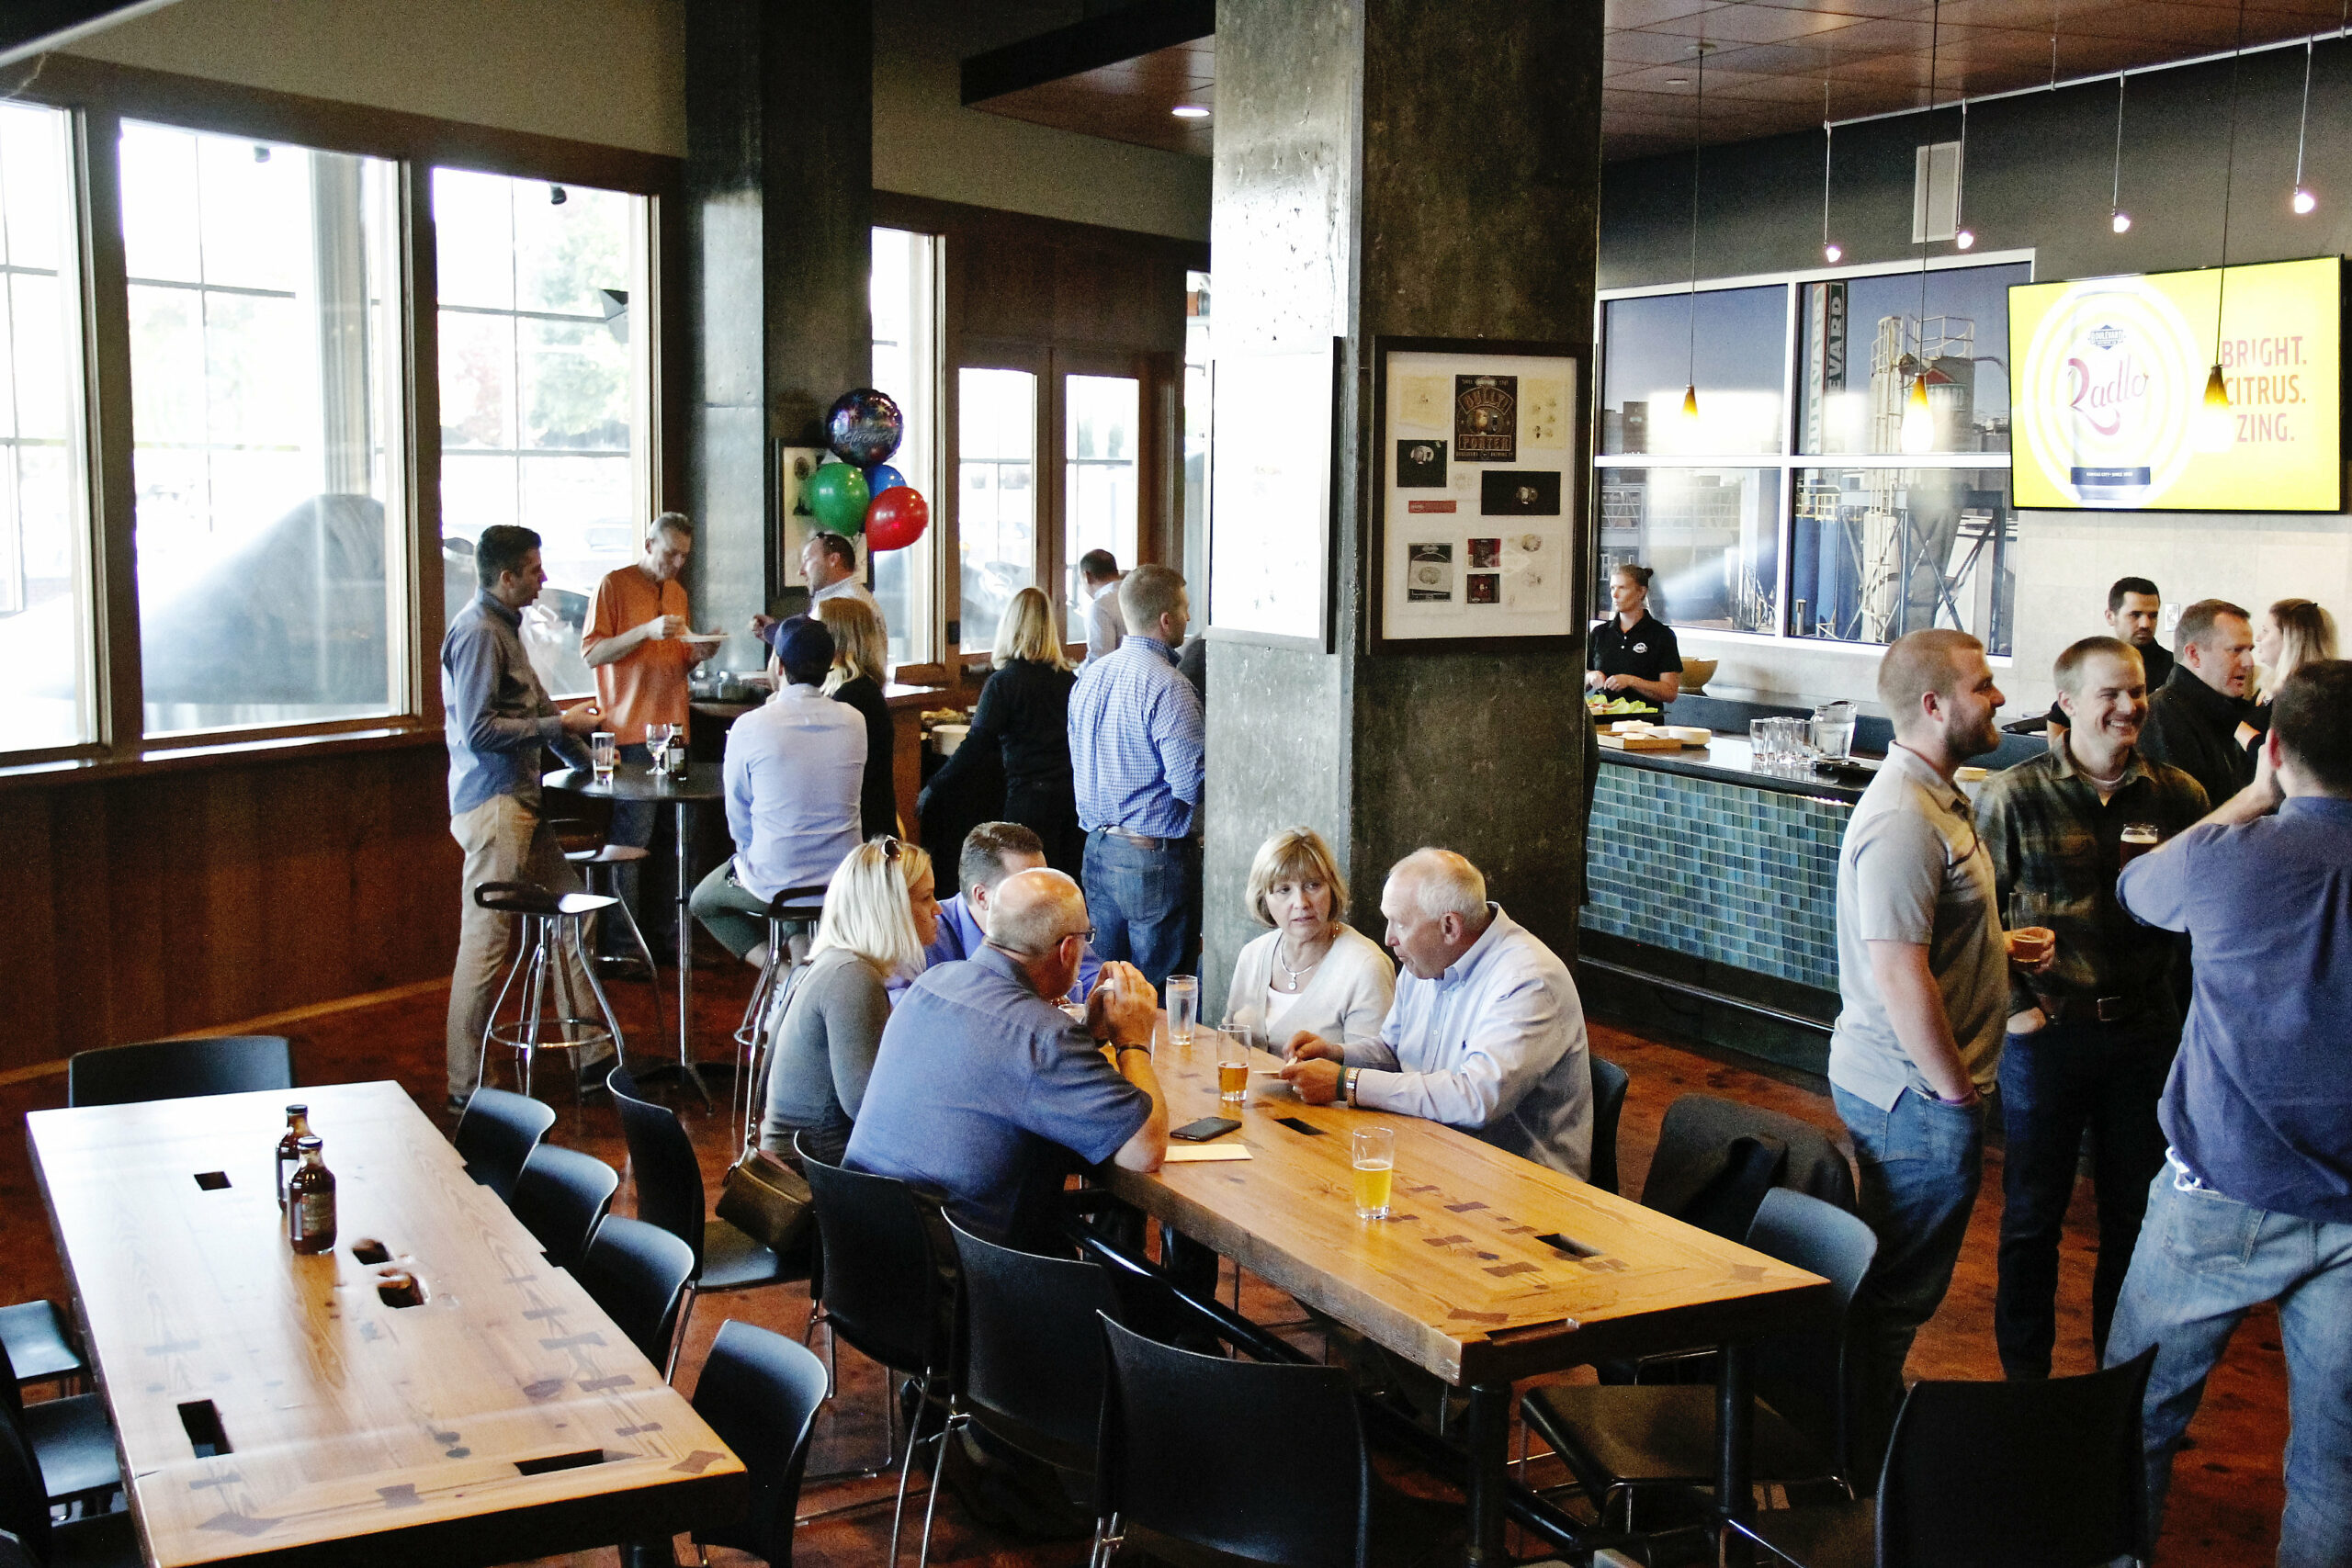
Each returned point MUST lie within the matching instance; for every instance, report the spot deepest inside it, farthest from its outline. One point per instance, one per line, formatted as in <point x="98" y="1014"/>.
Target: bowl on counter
<point x="1697" y="672"/>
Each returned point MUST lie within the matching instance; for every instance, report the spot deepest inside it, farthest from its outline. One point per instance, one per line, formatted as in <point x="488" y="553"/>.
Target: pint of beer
<point x="2139" y="838"/>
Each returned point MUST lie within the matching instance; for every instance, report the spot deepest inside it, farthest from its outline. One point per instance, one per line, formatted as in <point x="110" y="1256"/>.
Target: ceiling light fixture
<point x="2214" y="428"/>
<point x="1963" y="236"/>
<point x="1698" y="131"/>
<point x="2302" y="201"/>
<point x="1831" y="250"/>
<point x="2117" y="219"/>
<point x="1919" y="431"/>
<point x="1189" y="111"/>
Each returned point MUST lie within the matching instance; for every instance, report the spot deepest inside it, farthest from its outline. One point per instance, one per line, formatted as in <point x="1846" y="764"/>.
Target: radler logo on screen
<point x="2108" y="376"/>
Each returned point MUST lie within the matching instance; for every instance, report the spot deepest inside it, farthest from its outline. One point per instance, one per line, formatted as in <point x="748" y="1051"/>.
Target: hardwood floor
<point x="2226" y="1493"/>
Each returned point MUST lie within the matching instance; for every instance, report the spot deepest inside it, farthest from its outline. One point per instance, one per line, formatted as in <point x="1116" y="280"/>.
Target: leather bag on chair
<point x="765" y="1197"/>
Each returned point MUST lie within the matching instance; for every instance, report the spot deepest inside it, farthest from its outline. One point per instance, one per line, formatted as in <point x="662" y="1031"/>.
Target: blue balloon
<point x="882" y="476"/>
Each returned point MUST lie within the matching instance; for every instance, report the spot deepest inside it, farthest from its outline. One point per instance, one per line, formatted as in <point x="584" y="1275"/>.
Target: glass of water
<point x="1183" y="1007"/>
<point x="1760" y="738"/>
<point x="602" y="749"/>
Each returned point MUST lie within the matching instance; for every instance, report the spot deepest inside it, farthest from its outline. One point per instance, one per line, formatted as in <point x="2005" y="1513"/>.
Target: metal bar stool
<point x="599" y="864"/>
<point x="551" y="921"/>
<point x="792" y="909"/>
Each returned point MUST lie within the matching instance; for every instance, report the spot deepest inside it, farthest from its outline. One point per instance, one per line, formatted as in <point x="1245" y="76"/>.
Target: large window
<point x="996" y="495"/>
<point x="544" y="416"/>
<point x="266" y="418"/>
<point x="45" y="534"/>
<point x="906" y="365"/>
<point x="1857" y="535"/>
<point x="1102" y="424"/>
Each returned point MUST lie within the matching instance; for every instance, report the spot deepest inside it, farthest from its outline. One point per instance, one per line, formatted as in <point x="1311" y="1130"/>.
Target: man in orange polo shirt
<point x="631" y="641"/>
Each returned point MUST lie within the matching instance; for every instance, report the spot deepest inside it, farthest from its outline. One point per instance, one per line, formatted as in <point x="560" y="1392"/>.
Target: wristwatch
<point x="1119" y="1045"/>
<point x="1348" y="1084"/>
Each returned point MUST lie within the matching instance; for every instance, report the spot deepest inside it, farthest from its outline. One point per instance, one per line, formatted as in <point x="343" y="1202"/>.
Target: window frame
<point x="1792" y="459"/>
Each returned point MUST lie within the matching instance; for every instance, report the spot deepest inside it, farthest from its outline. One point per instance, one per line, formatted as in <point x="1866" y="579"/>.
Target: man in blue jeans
<point x="1923" y="977"/>
<point x="1136" y="760"/>
<point x="2255" y="1202"/>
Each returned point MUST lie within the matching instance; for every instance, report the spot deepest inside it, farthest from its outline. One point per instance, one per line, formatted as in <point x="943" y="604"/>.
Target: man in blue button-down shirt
<point x="498" y="720"/>
<point x="1136" y="760"/>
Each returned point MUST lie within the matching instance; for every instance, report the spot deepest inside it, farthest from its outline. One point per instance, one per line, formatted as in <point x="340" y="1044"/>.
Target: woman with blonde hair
<point x="861" y="663"/>
<point x="2289" y="634"/>
<point x="1023" y="720"/>
<point x="1313" y="973"/>
<point x="881" y="912"/>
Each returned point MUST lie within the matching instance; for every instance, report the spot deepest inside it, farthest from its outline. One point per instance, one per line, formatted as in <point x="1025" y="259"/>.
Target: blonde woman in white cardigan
<point x="1313" y="974"/>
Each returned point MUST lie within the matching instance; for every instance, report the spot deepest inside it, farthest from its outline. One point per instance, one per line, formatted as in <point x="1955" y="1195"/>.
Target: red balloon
<point x="896" y="518"/>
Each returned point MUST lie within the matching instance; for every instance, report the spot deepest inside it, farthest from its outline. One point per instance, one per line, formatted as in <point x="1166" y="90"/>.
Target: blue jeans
<point x="1144" y="903"/>
<point x="1921" y="1162"/>
<point x="2203" y="1260"/>
<point x="2056" y="1083"/>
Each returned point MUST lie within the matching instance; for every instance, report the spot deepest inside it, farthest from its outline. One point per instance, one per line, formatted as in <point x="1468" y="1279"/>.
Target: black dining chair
<point x="1033" y="1362"/>
<point x="39" y="1345"/>
<point x="668" y="1174"/>
<point x="1617" y="1440"/>
<point x="1716" y="1158"/>
<point x="13" y="1553"/>
<point x="638" y="1274"/>
<point x="2035" y="1475"/>
<point x="71" y="1440"/>
<point x="496" y="1134"/>
<point x="178" y="1069"/>
<point x="561" y="1197"/>
<point x="102" y="1540"/>
<point x="760" y="1392"/>
<point x="1262" y="1461"/>
<point x="890" y="1295"/>
<point x="1610" y="1082"/>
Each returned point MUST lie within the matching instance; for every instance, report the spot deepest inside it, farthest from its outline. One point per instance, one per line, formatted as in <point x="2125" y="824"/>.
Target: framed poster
<point x="793" y="467"/>
<point x="1270" y="530"/>
<point x="1478" y="470"/>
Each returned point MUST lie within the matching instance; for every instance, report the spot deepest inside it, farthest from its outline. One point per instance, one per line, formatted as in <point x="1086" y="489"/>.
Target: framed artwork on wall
<point x="793" y="467"/>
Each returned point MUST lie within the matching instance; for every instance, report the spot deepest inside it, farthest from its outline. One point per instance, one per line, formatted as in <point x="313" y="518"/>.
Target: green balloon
<point x="837" y="495"/>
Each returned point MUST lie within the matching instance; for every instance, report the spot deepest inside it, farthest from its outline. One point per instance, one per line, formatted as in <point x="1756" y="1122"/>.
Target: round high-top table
<point x="701" y="785"/>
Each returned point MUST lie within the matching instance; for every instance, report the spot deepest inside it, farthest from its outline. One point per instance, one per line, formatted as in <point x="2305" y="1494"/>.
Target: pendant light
<point x="1831" y="250"/>
<point x="1698" y="130"/>
<point x="1918" y="420"/>
<point x="1962" y="237"/>
<point x="2302" y="201"/>
<point x="2117" y="219"/>
<point x="2214" y="428"/>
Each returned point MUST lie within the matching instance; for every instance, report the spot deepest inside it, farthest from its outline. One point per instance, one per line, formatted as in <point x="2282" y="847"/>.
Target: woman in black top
<point x="1632" y="655"/>
<point x="1024" y="716"/>
<point x="861" y="663"/>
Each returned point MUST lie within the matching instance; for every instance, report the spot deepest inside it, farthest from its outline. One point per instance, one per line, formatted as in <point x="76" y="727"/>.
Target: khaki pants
<point x="505" y="840"/>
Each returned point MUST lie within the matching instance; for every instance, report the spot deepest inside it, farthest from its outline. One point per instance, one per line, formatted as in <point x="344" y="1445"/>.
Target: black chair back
<point x="638" y="1274"/>
<point x="662" y="1162"/>
<point x="1033" y="1352"/>
<point x="883" y="1285"/>
<point x="496" y="1134"/>
<point x="1608" y="1084"/>
<point x="179" y="1069"/>
<point x="561" y="1197"/>
<point x="2043" y="1474"/>
<point x="1804" y="1376"/>
<point x="24" y="1501"/>
<point x="760" y="1392"/>
<point x="13" y="1553"/>
<point x="1716" y="1158"/>
<point x="1262" y="1460"/>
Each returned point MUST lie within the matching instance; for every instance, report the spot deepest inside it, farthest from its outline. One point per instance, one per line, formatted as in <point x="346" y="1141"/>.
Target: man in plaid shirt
<point x="2091" y="1033"/>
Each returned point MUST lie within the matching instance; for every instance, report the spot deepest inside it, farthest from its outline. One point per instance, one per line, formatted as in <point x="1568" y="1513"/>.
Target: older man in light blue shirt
<point x="1485" y="1034"/>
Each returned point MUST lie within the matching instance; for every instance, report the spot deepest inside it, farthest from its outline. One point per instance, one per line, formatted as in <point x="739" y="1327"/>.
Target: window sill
<point x="163" y="758"/>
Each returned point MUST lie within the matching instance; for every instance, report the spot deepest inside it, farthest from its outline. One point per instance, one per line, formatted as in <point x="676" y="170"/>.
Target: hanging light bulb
<point x="1919" y="420"/>
<point x="2120" y="221"/>
<point x="2117" y="219"/>
<point x="1964" y="239"/>
<point x="2304" y="200"/>
<point x="1831" y="250"/>
<point x="1833" y="253"/>
<point x="2216" y="425"/>
<point x="1691" y="402"/>
<point x="2214" y="428"/>
<point x="1962" y="236"/>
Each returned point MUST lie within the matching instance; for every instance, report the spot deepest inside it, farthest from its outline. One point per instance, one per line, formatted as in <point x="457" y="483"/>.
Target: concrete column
<point x="1402" y="168"/>
<point x="779" y="193"/>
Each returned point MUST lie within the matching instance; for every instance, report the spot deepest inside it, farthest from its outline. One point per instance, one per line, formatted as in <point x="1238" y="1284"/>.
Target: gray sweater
<point x="823" y="1053"/>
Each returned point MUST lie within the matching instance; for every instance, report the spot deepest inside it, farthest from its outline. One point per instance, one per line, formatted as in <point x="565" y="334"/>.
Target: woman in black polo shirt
<point x="1630" y="654"/>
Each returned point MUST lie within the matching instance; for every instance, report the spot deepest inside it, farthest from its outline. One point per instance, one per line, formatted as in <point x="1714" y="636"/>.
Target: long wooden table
<point x="1489" y="1268"/>
<point x="272" y="1408"/>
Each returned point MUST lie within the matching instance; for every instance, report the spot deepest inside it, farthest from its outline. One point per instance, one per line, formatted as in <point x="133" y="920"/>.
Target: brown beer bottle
<point x="289" y="1150"/>
<point x="310" y="1201"/>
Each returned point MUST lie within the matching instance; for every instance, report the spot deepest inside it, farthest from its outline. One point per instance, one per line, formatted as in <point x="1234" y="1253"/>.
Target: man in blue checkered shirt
<point x="1136" y="758"/>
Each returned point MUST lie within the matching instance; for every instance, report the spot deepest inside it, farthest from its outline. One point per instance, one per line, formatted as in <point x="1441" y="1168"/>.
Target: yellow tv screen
<point x="2108" y="392"/>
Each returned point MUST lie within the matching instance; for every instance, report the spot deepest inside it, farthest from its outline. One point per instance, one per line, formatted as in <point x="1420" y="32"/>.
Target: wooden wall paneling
<point x="29" y="961"/>
<point x="83" y="954"/>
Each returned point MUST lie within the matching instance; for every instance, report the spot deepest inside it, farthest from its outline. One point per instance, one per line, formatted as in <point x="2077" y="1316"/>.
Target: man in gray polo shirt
<point x="1924" y="976"/>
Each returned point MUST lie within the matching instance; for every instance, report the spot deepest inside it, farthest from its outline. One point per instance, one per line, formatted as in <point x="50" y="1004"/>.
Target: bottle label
<point x="313" y="1217"/>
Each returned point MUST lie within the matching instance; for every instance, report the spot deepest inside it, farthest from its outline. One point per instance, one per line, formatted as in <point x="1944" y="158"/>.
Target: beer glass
<point x="602" y="749"/>
<point x="1233" y="1065"/>
<point x="2139" y="838"/>
<point x="1374" y="1156"/>
<point x="1183" y="1007"/>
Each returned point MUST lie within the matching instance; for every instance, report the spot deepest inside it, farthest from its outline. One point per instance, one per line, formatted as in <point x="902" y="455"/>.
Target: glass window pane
<point x="1878" y="552"/>
<point x="1197" y="393"/>
<point x="1102" y="426"/>
<point x="45" y="620"/>
<point x="1860" y="349"/>
<point x="996" y="513"/>
<point x="1731" y="344"/>
<point x="266" y="426"/>
<point x="1712" y="535"/>
<point x="544" y="388"/>
<point x="906" y="359"/>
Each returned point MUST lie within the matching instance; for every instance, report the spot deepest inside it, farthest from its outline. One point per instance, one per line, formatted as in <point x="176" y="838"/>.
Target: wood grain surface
<point x="1459" y="1277"/>
<point x="504" y="1416"/>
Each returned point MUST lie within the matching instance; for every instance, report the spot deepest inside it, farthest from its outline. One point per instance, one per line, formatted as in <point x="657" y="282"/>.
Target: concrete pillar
<point x="1401" y="168"/>
<point x="779" y="193"/>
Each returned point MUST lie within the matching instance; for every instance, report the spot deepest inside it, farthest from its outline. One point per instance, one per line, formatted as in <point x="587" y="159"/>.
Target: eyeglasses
<point x="890" y="848"/>
<point x="1025" y="953"/>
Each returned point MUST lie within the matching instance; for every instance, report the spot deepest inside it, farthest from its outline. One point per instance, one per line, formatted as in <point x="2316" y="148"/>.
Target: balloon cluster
<point x="863" y="491"/>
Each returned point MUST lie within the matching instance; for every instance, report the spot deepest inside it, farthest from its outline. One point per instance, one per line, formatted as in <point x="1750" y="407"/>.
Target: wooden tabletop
<point x="1463" y="1278"/>
<point x="505" y="1417"/>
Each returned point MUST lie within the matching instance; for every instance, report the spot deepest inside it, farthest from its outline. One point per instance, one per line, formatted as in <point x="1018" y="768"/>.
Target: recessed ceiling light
<point x="1189" y="111"/>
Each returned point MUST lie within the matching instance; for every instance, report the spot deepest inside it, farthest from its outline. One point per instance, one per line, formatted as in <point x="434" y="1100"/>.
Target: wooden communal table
<point x="272" y="1408"/>
<point x="1488" y="1268"/>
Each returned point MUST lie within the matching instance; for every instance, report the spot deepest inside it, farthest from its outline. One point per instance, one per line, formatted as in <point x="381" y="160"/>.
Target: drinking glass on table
<point x="602" y="749"/>
<point x="1183" y="1007"/>
<point x="1233" y="1063"/>
<point x="2139" y="838"/>
<point x="657" y="741"/>
<point x="1374" y="1151"/>
<point x="1760" y="738"/>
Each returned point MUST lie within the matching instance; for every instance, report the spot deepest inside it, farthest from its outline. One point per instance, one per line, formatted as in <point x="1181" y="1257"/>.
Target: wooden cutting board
<point x="1641" y="742"/>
